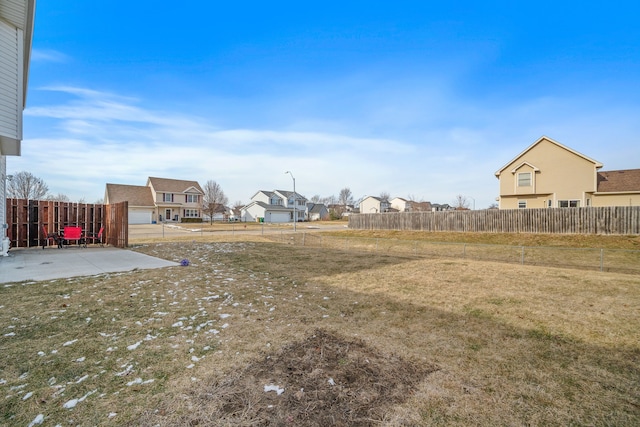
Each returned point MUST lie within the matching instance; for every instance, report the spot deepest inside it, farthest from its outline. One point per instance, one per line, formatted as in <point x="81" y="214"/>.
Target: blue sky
<point x="409" y="98"/>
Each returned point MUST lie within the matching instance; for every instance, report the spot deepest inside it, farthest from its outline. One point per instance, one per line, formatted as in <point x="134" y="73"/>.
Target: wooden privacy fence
<point x="28" y="219"/>
<point x="601" y="220"/>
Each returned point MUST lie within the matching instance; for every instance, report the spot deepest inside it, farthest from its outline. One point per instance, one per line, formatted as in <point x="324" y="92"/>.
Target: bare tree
<point x="214" y="199"/>
<point x="315" y="199"/>
<point x="346" y="197"/>
<point x="384" y="196"/>
<point x="461" y="202"/>
<point x="58" y="198"/>
<point x="24" y="185"/>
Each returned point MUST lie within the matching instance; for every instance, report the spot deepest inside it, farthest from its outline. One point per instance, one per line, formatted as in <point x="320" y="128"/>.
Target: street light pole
<point x="295" y="209"/>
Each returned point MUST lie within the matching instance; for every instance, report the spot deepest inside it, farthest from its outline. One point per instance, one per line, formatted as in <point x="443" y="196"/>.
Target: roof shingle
<point x="619" y="181"/>
<point x="136" y="195"/>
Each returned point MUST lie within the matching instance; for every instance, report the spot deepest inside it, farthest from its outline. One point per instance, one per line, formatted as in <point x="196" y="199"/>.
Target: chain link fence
<point x="613" y="260"/>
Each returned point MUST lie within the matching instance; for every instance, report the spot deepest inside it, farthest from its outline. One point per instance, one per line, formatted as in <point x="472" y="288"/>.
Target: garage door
<point x="139" y="217"/>
<point x="279" y="217"/>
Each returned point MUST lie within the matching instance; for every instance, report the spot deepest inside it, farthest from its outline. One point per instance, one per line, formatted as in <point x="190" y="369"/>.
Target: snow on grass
<point x="139" y="381"/>
<point x="70" y="404"/>
<point x="37" y="420"/>
<point x="271" y="387"/>
<point x="134" y="346"/>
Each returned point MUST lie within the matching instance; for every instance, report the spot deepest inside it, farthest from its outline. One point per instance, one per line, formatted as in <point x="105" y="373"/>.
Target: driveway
<point x="53" y="263"/>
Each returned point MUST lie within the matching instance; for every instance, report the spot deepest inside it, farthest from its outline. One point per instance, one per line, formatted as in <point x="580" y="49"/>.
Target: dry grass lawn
<point x="261" y="333"/>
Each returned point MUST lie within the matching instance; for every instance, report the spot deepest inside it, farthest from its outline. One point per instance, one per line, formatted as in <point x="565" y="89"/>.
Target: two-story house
<point x="403" y="205"/>
<point x="372" y="204"/>
<point x="275" y="206"/>
<point x="548" y="174"/>
<point x="162" y="199"/>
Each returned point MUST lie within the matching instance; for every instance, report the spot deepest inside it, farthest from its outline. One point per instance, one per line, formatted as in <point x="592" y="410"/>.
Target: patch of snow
<point x="73" y="402"/>
<point x="125" y="372"/>
<point x="68" y="343"/>
<point x="28" y="395"/>
<point x="331" y="381"/>
<point x="37" y="420"/>
<point x="134" y="346"/>
<point x="10" y="334"/>
<point x="139" y="381"/>
<point x="275" y="388"/>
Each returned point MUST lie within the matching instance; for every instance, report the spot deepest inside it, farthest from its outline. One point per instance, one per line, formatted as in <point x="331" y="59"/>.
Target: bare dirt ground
<point x="330" y="381"/>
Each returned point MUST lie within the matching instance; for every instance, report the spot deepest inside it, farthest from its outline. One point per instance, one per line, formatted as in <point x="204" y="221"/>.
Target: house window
<point x="192" y="198"/>
<point x="522" y="204"/>
<point x="276" y="201"/>
<point x="524" y="179"/>
<point x="568" y="203"/>
<point x="167" y="197"/>
<point x="549" y="203"/>
<point x="191" y="213"/>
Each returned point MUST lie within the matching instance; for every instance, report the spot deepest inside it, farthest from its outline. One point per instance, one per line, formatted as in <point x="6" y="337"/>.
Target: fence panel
<point x="28" y="220"/>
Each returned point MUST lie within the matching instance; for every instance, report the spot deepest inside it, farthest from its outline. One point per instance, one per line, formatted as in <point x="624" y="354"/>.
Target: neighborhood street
<point x="168" y="230"/>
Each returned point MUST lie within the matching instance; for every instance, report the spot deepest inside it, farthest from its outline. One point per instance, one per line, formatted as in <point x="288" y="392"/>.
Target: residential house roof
<point x="289" y="194"/>
<point x="317" y="208"/>
<point x="136" y="195"/>
<point x="545" y="138"/>
<point x="268" y="207"/>
<point x="166" y="185"/>
<point x="619" y="181"/>
<point x="420" y="206"/>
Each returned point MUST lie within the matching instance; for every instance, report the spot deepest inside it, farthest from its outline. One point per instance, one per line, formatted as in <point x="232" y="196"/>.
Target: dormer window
<point x="524" y="179"/>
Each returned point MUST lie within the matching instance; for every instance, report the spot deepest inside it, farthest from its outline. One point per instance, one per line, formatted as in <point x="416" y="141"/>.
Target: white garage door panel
<point x="139" y="217"/>
<point x="279" y="217"/>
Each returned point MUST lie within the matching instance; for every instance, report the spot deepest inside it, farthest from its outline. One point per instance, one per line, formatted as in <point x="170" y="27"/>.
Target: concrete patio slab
<point x="52" y="263"/>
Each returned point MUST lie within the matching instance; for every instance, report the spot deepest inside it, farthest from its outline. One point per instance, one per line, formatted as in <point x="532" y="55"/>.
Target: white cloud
<point x="48" y="55"/>
<point x="95" y="137"/>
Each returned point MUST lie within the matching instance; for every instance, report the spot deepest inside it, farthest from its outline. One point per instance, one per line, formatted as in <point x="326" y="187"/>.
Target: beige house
<point x="162" y="199"/>
<point x="548" y="174"/>
<point x="372" y="204"/>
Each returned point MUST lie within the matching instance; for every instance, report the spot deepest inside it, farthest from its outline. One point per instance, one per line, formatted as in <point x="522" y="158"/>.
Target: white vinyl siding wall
<point x="11" y="72"/>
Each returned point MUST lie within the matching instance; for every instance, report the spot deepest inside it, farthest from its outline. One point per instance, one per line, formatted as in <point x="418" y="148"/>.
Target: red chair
<point x="47" y="237"/>
<point x="95" y="238"/>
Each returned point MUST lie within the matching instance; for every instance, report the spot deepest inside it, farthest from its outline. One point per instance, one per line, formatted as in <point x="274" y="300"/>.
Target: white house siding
<point x="254" y="211"/>
<point x="11" y="99"/>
